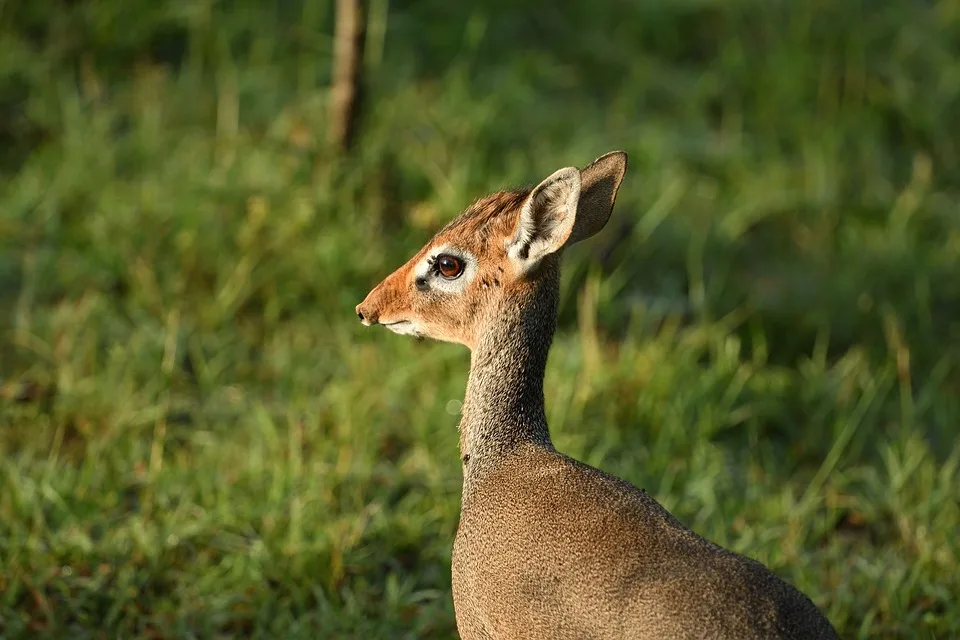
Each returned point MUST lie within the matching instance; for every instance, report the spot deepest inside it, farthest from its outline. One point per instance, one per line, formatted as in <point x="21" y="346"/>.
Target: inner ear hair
<point x="599" y="183"/>
<point x="546" y="218"/>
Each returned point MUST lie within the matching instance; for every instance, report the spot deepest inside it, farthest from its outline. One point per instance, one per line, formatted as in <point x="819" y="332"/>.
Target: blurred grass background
<point x="199" y="439"/>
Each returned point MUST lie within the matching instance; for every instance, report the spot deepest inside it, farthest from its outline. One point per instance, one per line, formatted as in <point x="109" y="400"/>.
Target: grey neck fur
<point x="504" y="406"/>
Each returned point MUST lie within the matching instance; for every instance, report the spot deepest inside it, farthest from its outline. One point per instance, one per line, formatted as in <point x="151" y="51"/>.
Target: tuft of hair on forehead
<point x="488" y="212"/>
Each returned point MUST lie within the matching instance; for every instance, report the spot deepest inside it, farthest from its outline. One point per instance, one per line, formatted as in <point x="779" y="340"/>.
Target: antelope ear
<point x="546" y="219"/>
<point x="599" y="183"/>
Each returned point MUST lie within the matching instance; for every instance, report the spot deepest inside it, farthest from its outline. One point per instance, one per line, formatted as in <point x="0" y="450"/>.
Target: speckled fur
<point x="548" y="547"/>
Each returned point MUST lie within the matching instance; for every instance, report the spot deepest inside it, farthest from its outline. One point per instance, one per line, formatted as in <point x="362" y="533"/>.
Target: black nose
<point x="360" y="315"/>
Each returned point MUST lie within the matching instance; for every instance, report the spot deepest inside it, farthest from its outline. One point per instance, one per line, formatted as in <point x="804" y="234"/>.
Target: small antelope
<point x="548" y="547"/>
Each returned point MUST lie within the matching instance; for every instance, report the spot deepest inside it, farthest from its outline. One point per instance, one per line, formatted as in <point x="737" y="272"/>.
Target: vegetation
<point x="200" y="440"/>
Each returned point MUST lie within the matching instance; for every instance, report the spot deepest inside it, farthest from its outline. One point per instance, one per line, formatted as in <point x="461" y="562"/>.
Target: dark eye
<point x="449" y="267"/>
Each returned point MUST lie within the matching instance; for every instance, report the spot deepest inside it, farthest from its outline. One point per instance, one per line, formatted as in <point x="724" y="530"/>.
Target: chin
<point x="405" y="328"/>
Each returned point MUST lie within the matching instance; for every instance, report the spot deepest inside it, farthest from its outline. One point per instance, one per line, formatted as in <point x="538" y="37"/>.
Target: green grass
<point x="198" y="438"/>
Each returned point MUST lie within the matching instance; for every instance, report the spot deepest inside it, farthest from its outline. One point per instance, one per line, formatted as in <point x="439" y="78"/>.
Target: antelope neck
<point x="503" y="407"/>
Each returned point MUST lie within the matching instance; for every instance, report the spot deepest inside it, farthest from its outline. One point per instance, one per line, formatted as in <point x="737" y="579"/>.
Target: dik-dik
<point x="548" y="547"/>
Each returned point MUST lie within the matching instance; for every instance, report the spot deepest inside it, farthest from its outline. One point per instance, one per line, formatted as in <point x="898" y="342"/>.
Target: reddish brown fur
<point x="481" y="230"/>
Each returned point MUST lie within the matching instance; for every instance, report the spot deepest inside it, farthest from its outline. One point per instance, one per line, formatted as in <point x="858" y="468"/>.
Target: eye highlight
<point x="450" y="267"/>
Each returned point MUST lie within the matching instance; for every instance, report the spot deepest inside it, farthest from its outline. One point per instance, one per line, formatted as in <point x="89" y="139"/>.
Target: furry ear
<point x="599" y="183"/>
<point x="546" y="219"/>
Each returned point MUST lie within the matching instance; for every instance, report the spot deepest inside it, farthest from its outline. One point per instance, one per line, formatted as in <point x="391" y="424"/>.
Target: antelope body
<point x="548" y="547"/>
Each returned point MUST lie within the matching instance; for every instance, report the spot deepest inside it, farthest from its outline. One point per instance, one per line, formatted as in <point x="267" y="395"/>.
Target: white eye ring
<point x="427" y="275"/>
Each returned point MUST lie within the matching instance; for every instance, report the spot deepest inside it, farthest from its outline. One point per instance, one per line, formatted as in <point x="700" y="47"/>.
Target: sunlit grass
<point x="199" y="440"/>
